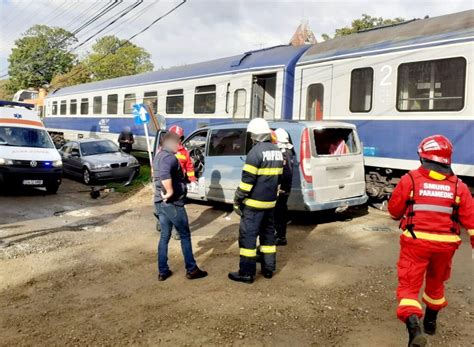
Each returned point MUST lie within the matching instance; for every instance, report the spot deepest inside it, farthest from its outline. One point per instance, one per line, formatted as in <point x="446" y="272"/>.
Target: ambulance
<point x="28" y="156"/>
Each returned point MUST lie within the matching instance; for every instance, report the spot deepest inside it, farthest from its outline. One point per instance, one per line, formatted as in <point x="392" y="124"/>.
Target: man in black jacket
<point x="255" y="200"/>
<point x="281" y="208"/>
<point x="126" y="140"/>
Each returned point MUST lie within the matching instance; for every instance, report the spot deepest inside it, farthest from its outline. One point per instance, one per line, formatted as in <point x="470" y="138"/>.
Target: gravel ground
<point x="77" y="271"/>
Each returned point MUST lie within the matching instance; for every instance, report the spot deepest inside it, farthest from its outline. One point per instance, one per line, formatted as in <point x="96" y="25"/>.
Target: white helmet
<point x="283" y="139"/>
<point x="258" y="126"/>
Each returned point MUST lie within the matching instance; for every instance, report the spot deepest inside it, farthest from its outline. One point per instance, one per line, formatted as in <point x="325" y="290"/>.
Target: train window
<point x="205" y="99"/>
<point x="436" y="85"/>
<point x="240" y="103"/>
<point x="73" y="106"/>
<point x="151" y="100"/>
<point x="63" y="108"/>
<point x="54" y="108"/>
<point x="97" y="105"/>
<point x="315" y="102"/>
<point x="112" y="104"/>
<point x="128" y="102"/>
<point x="85" y="106"/>
<point x="227" y="142"/>
<point x="174" y="101"/>
<point x="362" y="81"/>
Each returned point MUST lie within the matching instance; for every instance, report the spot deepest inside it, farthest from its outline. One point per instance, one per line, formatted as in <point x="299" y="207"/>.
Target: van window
<point x="335" y="141"/>
<point x="63" y="108"/>
<point x="54" y="108"/>
<point x="205" y="99"/>
<point x="73" y="106"/>
<point x="128" y="102"/>
<point x="151" y="100"/>
<point x="97" y="105"/>
<point x="436" y="85"/>
<point x="315" y="102"/>
<point x="174" y="101"/>
<point x="362" y="81"/>
<point x="25" y="137"/>
<point x="85" y="106"/>
<point x="112" y="104"/>
<point x="227" y="142"/>
<point x="240" y="103"/>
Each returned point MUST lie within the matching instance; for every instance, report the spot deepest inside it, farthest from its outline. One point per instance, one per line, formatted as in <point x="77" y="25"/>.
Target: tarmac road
<point x="77" y="271"/>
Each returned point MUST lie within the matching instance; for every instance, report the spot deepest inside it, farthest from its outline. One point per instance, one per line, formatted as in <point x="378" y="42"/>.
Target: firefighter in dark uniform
<point x="255" y="200"/>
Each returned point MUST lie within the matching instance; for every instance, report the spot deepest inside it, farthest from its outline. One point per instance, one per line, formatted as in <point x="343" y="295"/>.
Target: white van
<point x="28" y="156"/>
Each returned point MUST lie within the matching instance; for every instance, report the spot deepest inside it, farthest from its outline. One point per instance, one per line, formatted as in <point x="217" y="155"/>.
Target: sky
<point x="205" y="29"/>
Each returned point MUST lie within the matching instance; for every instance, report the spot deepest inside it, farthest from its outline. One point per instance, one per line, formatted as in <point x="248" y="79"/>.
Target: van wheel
<point x="86" y="176"/>
<point x="52" y="188"/>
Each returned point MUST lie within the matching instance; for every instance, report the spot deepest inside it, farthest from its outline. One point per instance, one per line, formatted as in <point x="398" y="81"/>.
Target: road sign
<point x="140" y="114"/>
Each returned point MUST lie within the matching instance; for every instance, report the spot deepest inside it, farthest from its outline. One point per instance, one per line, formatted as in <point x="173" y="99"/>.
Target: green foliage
<point x="123" y="59"/>
<point x="40" y="54"/>
<point x="79" y="73"/>
<point x="366" y="22"/>
<point x="143" y="178"/>
<point x="5" y="93"/>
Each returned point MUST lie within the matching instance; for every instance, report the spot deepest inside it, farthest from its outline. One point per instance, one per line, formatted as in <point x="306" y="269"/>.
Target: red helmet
<point x="436" y="148"/>
<point x="177" y="130"/>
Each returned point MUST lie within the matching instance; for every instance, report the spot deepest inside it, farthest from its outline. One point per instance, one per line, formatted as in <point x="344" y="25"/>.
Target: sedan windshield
<point x="25" y="137"/>
<point x="98" y="147"/>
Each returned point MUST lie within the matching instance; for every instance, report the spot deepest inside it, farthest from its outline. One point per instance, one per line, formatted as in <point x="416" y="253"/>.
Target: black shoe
<point x="267" y="273"/>
<point x="240" y="277"/>
<point x="281" y="241"/>
<point x="164" y="276"/>
<point x="195" y="274"/>
<point x="415" y="336"/>
<point x="429" y="322"/>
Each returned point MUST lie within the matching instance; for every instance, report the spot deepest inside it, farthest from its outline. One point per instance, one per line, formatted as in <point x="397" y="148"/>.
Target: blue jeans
<point x="170" y="215"/>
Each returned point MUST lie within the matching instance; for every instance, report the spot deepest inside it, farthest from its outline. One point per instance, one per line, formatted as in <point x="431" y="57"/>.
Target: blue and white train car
<point x="398" y="84"/>
<point x="255" y="84"/>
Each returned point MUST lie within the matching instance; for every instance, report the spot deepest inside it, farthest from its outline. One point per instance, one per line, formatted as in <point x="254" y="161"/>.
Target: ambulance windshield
<point x="24" y="137"/>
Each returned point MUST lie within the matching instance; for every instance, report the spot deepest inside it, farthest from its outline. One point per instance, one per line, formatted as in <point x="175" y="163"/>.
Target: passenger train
<point x="397" y="83"/>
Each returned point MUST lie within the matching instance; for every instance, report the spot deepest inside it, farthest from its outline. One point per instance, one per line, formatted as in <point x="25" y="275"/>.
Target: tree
<point x="79" y="73"/>
<point x="112" y="57"/>
<point x="41" y="53"/>
<point x="366" y="22"/>
<point x="5" y="93"/>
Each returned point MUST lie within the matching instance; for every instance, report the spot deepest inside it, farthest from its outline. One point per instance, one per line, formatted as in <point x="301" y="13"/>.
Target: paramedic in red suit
<point x="183" y="155"/>
<point x="432" y="204"/>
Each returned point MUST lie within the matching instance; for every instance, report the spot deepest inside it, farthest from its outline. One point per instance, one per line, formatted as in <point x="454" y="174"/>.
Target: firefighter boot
<point x="415" y="336"/>
<point x="429" y="322"/>
<point x="241" y="277"/>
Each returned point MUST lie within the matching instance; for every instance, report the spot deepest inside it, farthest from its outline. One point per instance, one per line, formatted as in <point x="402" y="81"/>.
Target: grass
<point x="143" y="178"/>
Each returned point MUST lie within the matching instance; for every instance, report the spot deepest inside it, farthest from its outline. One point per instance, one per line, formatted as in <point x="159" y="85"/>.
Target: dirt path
<point x="88" y="277"/>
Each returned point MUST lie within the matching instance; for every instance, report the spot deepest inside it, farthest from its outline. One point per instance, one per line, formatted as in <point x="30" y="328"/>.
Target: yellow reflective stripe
<point x="436" y="175"/>
<point x="190" y="173"/>
<point x="180" y="156"/>
<point x="434" y="301"/>
<point x="270" y="171"/>
<point x="433" y="237"/>
<point x="471" y="232"/>
<point x="268" y="249"/>
<point x="259" y="204"/>
<point x="409" y="302"/>
<point x="250" y="169"/>
<point x="248" y="252"/>
<point x="245" y="186"/>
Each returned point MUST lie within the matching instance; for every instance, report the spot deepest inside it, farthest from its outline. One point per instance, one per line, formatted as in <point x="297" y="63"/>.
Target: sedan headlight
<point x="58" y="163"/>
<point x="133" y="162"/>
<point x="4" y="162"/>
<point x="100" y="166"/>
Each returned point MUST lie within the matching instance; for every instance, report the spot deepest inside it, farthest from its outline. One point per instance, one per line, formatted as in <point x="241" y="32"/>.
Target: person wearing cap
<point x="281" y="208"/>
<point x="126" y="140"/>
<point x="255" y="200"/>
<point x="432" y="204"/>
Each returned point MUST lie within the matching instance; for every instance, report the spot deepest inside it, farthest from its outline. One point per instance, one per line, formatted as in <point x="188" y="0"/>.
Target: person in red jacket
<point x="432" y="204"/>
<point x="183" y="155"/>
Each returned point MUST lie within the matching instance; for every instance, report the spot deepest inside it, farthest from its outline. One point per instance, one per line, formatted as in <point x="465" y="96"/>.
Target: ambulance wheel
<point x="86" y="176"/>
<point x="52" y="188"/>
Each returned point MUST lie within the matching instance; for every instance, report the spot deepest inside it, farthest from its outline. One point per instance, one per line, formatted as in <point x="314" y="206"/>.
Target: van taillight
<point x="305" y="156"/>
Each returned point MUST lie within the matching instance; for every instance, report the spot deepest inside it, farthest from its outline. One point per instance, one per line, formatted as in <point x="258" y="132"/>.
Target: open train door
<point x="316" y="92"/>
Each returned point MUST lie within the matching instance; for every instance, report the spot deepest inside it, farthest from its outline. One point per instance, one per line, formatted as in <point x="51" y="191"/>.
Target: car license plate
<point x="32" y="182"/>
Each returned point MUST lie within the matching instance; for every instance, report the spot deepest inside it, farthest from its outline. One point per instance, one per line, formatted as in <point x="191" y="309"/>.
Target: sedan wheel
<point x="86" y="176"/>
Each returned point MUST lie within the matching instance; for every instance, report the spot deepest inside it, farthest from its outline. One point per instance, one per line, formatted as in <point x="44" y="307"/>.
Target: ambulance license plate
<point x="32" y="182"/>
